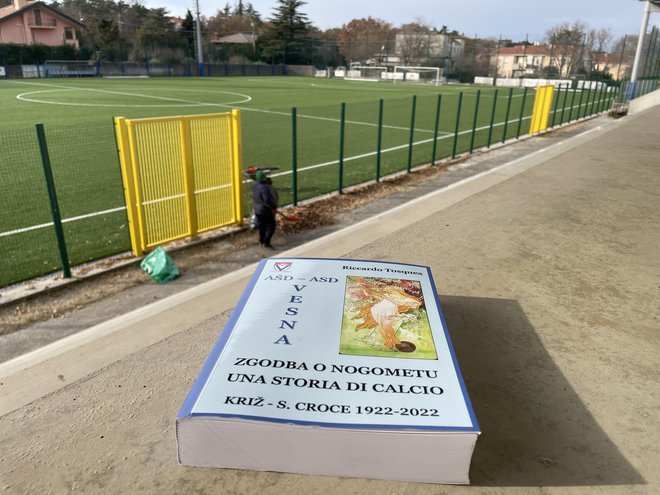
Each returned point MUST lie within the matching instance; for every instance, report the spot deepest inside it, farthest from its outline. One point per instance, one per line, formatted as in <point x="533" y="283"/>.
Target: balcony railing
<point x="42" y="23"/>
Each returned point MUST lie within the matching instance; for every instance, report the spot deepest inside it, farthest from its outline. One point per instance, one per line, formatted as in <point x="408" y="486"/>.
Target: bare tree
<point x="567" y="46"/>
<point x="362" y="39"/>
<point x="597" y="43"/>
<point x="623" y="55"/>
<point x="413" y="43"/>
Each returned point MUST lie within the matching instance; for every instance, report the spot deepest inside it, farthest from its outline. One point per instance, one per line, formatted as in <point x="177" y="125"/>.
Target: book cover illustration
<point x="385" y="317"/>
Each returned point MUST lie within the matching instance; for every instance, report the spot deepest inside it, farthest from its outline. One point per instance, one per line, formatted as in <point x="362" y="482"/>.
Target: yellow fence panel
<point x="542" y="107"/>
<point x="212" y="159"/>
<point x="182" y="175"/>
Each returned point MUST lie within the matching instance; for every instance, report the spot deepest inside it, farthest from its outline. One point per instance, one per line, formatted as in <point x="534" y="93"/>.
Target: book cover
<point x="317" y="346"/>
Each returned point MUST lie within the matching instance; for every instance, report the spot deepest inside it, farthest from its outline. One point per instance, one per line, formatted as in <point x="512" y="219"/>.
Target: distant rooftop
<point x="238" y="38"/>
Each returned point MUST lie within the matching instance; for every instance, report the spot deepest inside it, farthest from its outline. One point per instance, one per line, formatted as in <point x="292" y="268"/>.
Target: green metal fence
<point x="337" y="147"/>
<point x="78" y="168"/>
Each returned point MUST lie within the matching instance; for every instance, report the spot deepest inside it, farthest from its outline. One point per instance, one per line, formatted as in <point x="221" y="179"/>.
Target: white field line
<point x="66" y="220"/>
<point x="445" y="135"/>
<point x="236" y="105"/>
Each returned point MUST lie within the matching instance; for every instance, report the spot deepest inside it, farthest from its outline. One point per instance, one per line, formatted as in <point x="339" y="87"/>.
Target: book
<point x="333" y="367"/>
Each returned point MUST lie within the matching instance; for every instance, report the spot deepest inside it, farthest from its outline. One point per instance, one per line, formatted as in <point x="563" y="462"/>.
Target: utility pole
<point x="198" y="32"/>
<point x="581" y="59"/>
<point x="254" y="41"/>
<point x="497" y="60"/>
<point x="623" y="49"/>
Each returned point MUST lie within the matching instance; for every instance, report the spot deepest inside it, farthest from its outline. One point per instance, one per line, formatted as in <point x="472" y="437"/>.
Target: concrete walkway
<point x="549" y="275"/>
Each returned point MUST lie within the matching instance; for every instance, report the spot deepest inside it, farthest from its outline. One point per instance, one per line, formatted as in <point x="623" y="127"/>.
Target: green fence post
<point x="554" y="110"/>
<point x="52" y="196"/>
<point x="611" y="96"/>
<point x="615" y="93"/>
<point x="492" y="119"/>
<point x="436" y="129"/>
<point x="458" y="121"/>
<point x="653" y="59"/>
<point x="596" y="101"/>
<point x="648" y="52"/>
<point x="474" y="122"/>
<point x="522" y="113"/>
<point x="508" y="112"/>
<point x="570" y="113"/>
<point x="379" y="142"/>
<point x="601" y="98"/>
<point x="594" y="107"/>
<point x="563" y="106"/>
<point x="294" y="157"/>
<point x="580" y="103"/>
<point x="342" y="120"/>
<point x="412" y="132"/>
<point x="611" y="92"/>
<point x="587" y="107"/>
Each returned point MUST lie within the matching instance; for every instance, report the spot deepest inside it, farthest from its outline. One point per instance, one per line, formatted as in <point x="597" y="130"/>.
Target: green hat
<point x="261" y="175"/>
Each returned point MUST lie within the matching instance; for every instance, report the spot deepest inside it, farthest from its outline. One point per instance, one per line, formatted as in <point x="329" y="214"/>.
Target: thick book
<point x="333" y="367"/>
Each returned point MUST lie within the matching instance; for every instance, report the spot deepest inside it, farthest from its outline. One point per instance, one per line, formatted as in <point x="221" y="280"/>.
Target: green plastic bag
<point x="160" y="266"/>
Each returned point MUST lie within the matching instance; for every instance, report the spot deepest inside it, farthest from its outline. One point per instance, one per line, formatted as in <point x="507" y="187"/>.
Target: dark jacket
<point x="265" y="200"/>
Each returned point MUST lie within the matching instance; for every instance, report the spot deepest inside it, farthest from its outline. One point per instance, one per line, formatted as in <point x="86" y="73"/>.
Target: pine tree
<point x="284" y="40"/>
<point x="187" y="31"/>
<point x="288" y="21"/>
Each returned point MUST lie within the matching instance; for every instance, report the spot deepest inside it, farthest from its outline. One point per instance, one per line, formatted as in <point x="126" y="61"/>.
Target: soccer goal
<point x="71" y="68"/>
<point x="428" y="75"/>
<point x="365" y="73"/>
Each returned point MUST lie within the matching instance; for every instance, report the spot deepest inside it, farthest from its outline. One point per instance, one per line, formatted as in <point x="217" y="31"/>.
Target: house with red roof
<point x="33" y="22"/>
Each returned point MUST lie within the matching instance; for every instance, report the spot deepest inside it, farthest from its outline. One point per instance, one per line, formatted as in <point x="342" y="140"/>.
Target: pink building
<point x="29" y="22"/>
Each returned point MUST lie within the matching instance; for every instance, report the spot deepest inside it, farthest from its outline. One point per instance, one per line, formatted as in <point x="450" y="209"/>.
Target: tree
<point x="597" y="42"/>
<point x="187" y="32"/>
<point x="567" y="47"/>
<point x="361" y="39"/>
<point x="327" y="51"/>
<point x="623" y="56"/>
<point x="477" y="58"/>
<point x="413" y="43"/>
<point x="225" y="22"/>
<point x="285" y="36"/>
<point x="156" y="35"/>
<point x="108" y="35"/>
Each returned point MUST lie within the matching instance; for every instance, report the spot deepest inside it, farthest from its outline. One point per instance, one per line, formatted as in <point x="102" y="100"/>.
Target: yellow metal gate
<point x="542" y="108"/>
<point x="182" y="175"/>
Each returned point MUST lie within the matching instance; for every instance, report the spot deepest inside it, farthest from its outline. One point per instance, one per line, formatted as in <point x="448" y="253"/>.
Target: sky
<point x="513" y="19"/>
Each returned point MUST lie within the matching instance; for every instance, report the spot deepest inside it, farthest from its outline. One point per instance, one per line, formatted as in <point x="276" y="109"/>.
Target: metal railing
<point x="76" y="212"/>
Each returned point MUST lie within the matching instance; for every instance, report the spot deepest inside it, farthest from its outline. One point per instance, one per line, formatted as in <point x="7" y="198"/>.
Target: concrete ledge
<point x="645" y="102"/>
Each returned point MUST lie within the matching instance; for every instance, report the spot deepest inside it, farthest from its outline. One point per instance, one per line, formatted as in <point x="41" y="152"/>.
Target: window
<point x="68" y="33"/>
<point x="37" y="17"/>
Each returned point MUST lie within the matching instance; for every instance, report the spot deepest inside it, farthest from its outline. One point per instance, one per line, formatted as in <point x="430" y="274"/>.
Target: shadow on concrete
<point x="536" y="431"/>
